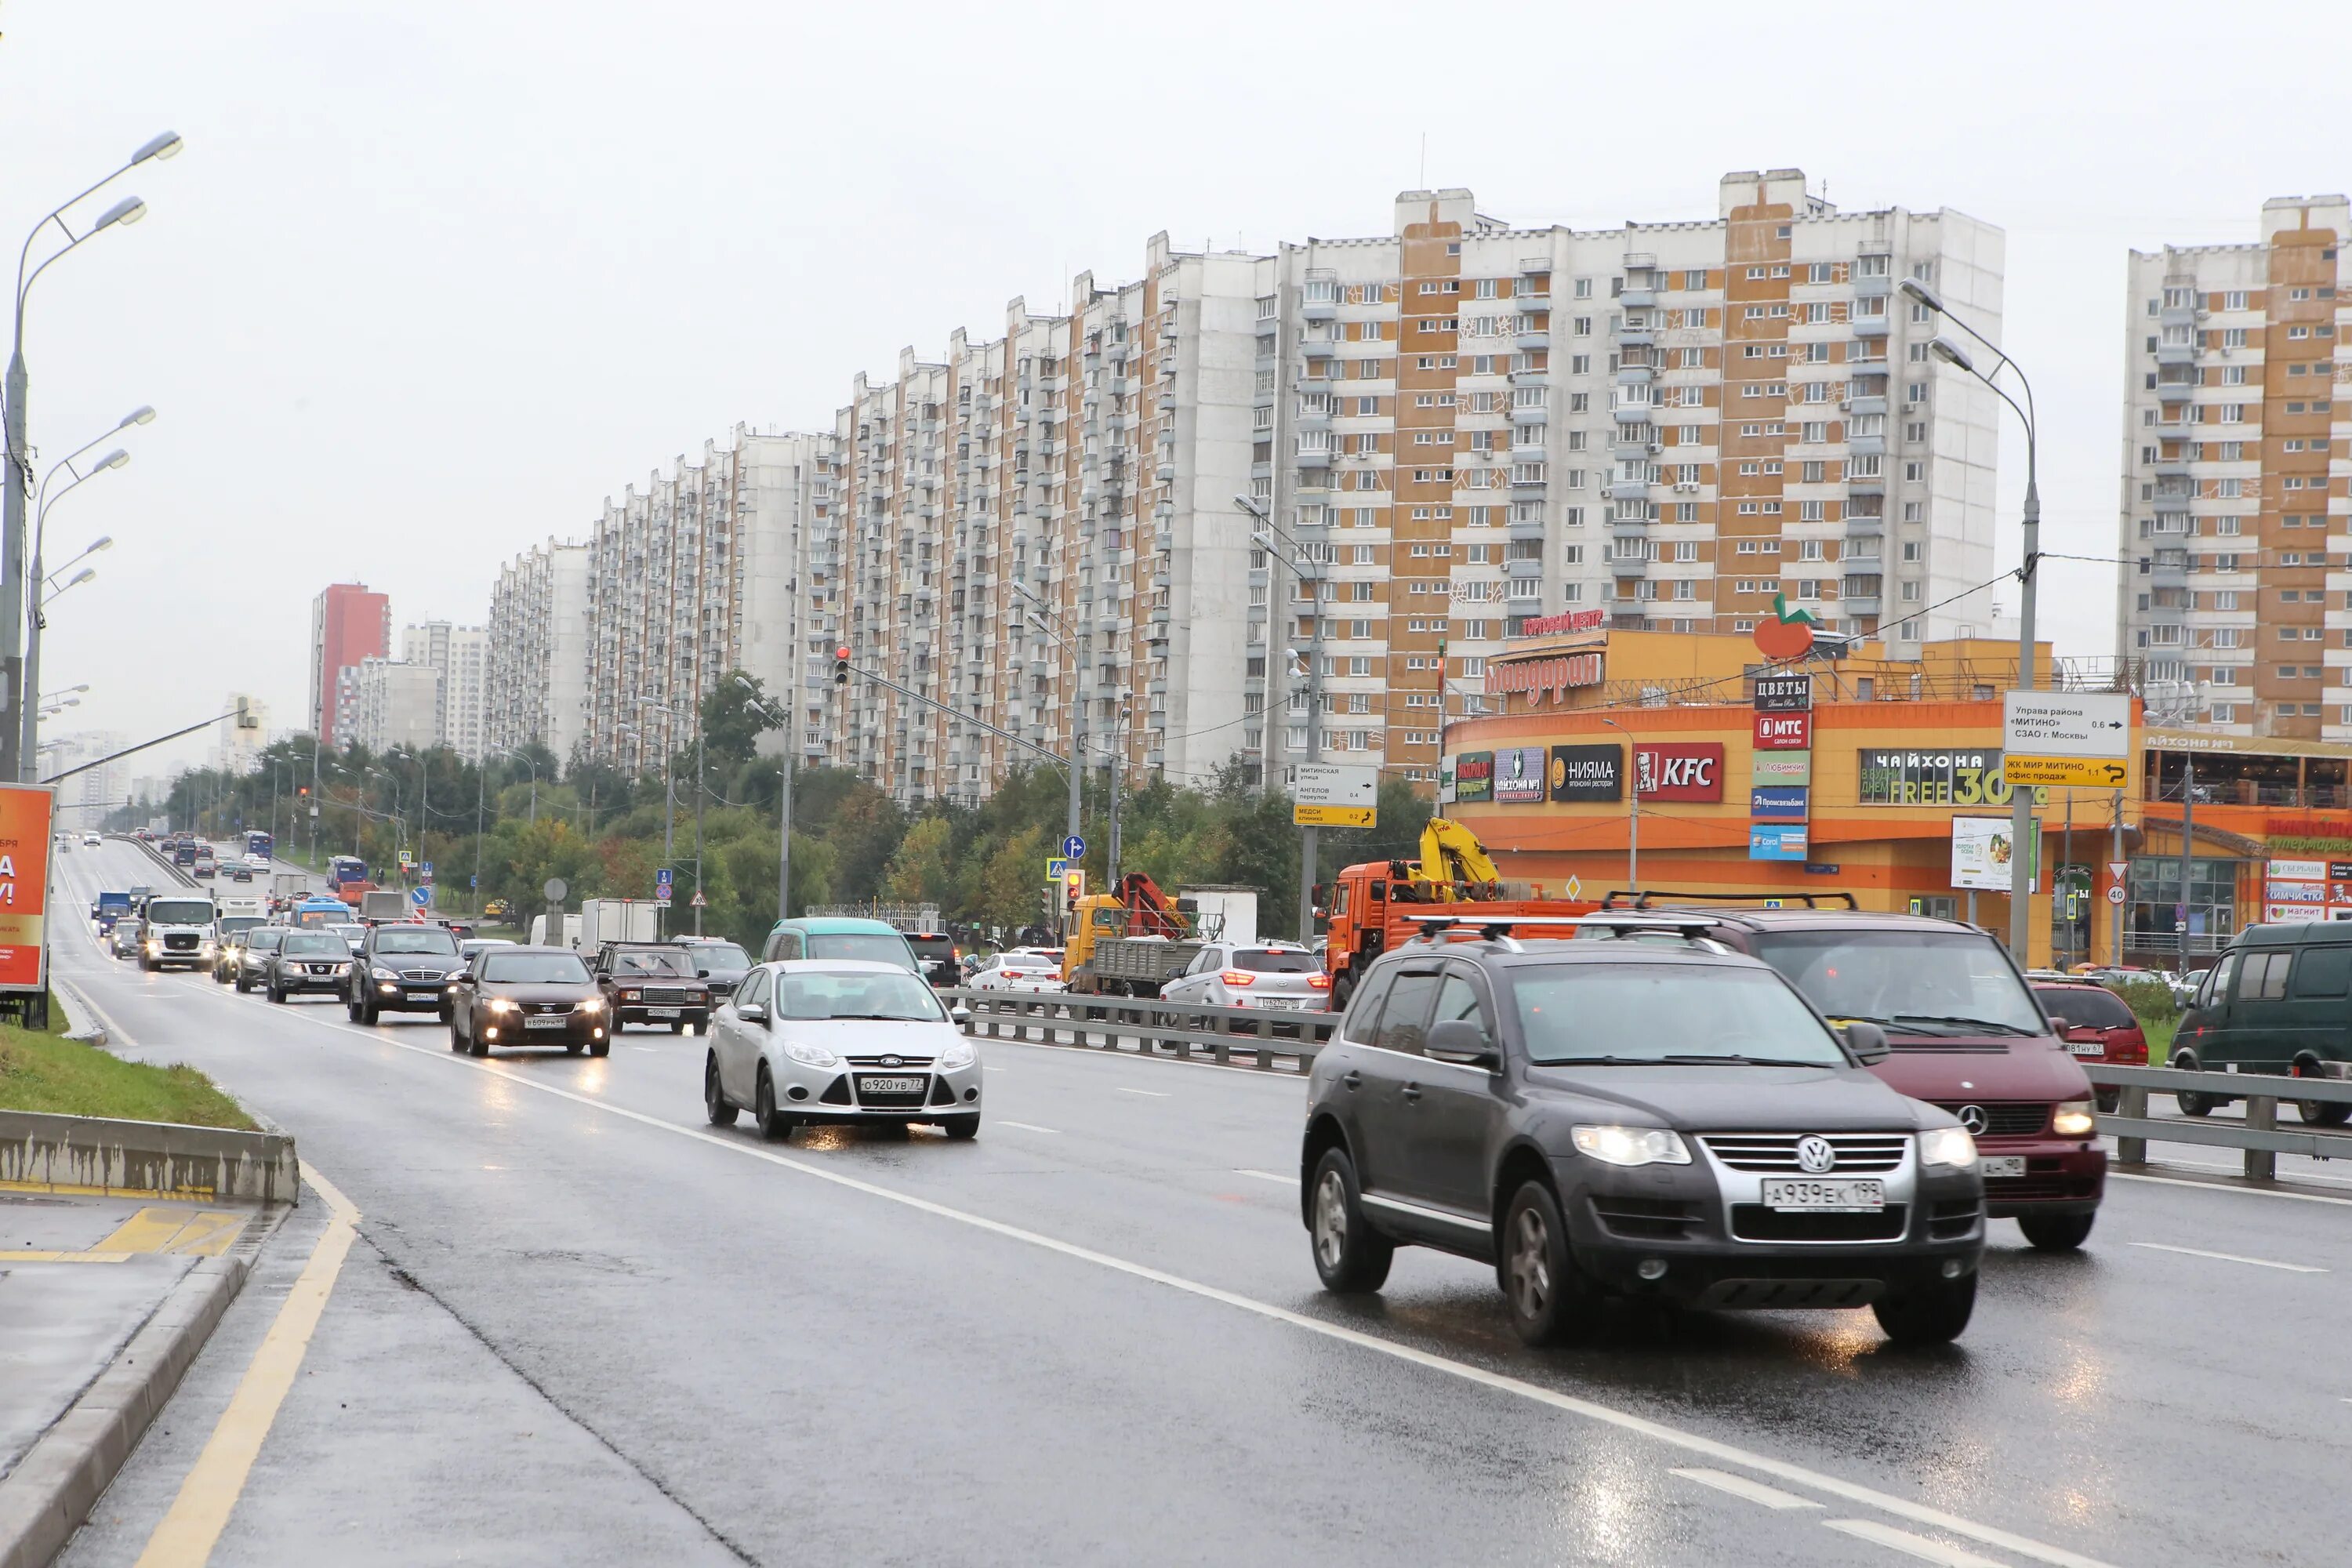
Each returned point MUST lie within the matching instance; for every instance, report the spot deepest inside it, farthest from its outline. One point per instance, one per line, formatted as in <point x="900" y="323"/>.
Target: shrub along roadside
<point x="48" y="1072"/>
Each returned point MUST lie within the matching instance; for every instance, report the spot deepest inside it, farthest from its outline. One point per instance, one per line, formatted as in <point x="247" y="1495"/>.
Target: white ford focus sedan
<point x="813" y="1041"/>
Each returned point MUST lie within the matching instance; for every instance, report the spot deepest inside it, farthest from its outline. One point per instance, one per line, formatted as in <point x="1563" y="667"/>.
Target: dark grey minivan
<point x="2278" y="1000"/>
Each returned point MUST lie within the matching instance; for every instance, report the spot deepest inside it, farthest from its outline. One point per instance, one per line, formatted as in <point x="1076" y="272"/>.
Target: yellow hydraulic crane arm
<point x="1455" y="862"/>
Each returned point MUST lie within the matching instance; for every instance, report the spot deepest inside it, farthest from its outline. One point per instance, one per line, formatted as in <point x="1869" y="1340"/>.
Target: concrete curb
<point x="48" y="1495"/>
<point x="96" y="1154"/>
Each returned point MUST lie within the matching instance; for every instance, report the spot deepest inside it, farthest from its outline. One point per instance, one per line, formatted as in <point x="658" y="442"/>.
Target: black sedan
<point x="307" y="960"/>
<point x="527" y="996"/>
<point x="722" y="964"/>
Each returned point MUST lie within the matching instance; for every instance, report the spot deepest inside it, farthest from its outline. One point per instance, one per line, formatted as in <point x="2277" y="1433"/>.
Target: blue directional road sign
<point x="420" y="896"/>
<point x="426" y="869"/>
<point x="1073" y="848"/>
<point x="662" y="884"/>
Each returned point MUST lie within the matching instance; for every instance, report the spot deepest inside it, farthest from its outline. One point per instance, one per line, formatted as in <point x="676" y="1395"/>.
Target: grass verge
<point x="48" y="1072"/>
<point x="2159" y="1033"/>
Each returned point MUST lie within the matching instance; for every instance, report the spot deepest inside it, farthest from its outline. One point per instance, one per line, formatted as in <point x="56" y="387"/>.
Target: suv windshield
<point x="180" y="911"/>
<point x="721" y="955"/>
<point x="264" y="939"/>
<point x="533" y="969"/>
<point x="314" y="944"/>
<point x="1641" y="1013"/>
<point x="425" y="939"/>
<point x="856" y="994"/>
<point x="1925" y="981"/>
<point x="870" y="945"/>
<point x="236" y="925"/>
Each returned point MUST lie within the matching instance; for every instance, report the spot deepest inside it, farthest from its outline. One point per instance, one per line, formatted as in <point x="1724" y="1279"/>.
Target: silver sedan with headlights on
<point x="838" y="1040"/>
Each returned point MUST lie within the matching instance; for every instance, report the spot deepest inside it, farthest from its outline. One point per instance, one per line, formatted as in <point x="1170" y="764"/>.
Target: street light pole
<point x="1311" y="587"/>
<point x="785" y="797"/>
<point x="1076" y="813"/>
<point x="39" y="578"/>
<point x="2020" y="804"/>
<point x="1632" y="807"/>
<point x="14" y="763"/>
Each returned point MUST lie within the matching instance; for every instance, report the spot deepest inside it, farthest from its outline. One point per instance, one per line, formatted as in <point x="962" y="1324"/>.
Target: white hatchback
<point x="1022" y="969"/>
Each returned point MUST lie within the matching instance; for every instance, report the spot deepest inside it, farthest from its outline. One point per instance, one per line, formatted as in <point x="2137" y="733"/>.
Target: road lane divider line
<point x="1500" y="1382"/>
<point x="1274" y="1176"/>
<point x="1741" y="1487"/>
<point x="1918" y="1546"/>
<point x="2231" y="1258"/>
<point x="1026" y="1126"/>
<point x="1154" y="1093"/>
<point x="2115" y="1175"/>
<point x="185" y="1536"/>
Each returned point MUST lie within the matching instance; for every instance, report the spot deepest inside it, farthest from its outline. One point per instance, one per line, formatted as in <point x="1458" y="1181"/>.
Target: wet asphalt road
<point x="582" y="1327"/>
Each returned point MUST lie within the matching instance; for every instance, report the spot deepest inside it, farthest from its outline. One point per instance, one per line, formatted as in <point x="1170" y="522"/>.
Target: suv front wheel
<point x="1930" y="1312"/>
<point x="1349" y="1255"/>
<point x="1550" y="1299"/>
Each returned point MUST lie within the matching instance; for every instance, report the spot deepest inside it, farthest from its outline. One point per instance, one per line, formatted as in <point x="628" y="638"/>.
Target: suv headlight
<point x="1952" y="1148"/>
<point x="958" y="1054"/>
<point x="1631" y="1145"/>
<point x="379" y="971"/>
<point x="808" y="1053"/>
<point x="2073" y="1118"/>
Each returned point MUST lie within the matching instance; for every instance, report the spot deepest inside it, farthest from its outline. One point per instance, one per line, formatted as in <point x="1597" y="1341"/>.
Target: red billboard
<point x="1784" y="731"/>
<point x="24" y="885"/>
<point x="1684" y="771"/>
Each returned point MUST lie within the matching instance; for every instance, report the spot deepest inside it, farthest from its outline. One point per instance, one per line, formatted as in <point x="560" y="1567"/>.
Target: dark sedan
<point x="722" y="964"/>
<point x="653" y="983"/>
<point x="307" y="960"/>
<point x="527" y="996"/>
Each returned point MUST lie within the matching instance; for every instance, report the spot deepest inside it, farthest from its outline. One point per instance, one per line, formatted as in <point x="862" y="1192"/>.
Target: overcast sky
<point x="432" y="280"/>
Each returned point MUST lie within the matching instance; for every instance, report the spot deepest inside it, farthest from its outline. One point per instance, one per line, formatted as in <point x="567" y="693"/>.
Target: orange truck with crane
<point x="1128" y="941"/>
<point x="1372" y="907"/>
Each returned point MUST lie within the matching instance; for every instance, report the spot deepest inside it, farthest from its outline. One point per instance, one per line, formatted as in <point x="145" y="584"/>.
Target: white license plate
<point x="2087" y="1048"/>
<point x="662" y="1012"/>
<point x="552" y="1021"/>
<point x="1281" y="1002"/>
<point x="1826" y="1197"/>
<point x="889" y="1086"/>
<point x="2001" y="1165"/>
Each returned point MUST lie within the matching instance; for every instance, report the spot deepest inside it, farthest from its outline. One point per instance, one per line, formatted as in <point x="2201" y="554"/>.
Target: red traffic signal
<point x="841" y="665"/>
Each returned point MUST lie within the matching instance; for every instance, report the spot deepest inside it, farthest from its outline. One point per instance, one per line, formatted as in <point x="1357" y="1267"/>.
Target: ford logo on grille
<point x="894" y="1061"/>
<point x="1974" y="1119"/>
<point x="1815" y="1155"/>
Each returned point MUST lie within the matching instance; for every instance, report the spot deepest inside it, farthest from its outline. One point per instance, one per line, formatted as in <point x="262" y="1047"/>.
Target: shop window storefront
<point x="2153" y="905"/>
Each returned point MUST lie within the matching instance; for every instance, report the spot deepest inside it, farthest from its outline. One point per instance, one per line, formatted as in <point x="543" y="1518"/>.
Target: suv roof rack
<point x="1620" y="899"/>
<point x="1490" y="928"/>
<point x="1688" y="928"/>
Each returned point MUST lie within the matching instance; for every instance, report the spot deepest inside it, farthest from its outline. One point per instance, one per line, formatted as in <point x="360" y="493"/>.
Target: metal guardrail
<point x="1228" y="1036"/>
<point x="2259" y="1135"/>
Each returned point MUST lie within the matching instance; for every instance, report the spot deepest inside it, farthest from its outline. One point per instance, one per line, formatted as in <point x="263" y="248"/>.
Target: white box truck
<point x="618" y="920"/>
<point x="570" y="937"/>
<point x="383" y="904"/>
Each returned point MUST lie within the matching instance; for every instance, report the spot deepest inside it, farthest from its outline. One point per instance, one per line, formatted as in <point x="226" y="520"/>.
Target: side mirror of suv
<point x="1463" y="1043"/>
<point x="1867" y="1041"/>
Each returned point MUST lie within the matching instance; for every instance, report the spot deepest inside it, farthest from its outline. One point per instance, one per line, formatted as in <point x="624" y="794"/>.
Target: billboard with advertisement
<point x="1587" y="773"/>
<point x="1783" y="731"/>
<point x="1933" y="775"/>
<point x="1688" y="771"/>
<point x="1474" y="776"/>
<point x="1768" y="841"/>
<point x="1983" y="854"/>
<point x="1784" y="693"/>
<point x="1780" y="768"/>
<point x="25" y="839"/>
<point x="1519" y="774"/>
<point x="1778" y="803"/>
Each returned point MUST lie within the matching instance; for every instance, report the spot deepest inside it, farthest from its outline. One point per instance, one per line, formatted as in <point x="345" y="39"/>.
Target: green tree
<point x="919" y="871"/>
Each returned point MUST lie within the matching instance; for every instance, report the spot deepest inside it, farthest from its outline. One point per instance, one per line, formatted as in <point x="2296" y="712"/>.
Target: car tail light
<point x="1318" y="982"/>
<point x="1238" y="977"/>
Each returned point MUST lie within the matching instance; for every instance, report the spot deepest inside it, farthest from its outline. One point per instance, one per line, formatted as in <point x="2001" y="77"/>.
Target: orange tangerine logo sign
<point x="1788" y="635"/>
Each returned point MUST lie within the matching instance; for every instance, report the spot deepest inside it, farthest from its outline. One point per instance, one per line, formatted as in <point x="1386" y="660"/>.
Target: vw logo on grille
<point x="1974" y="1119"/>
<point x="1814" y="1154"/>
<point x="893" y="1061"/>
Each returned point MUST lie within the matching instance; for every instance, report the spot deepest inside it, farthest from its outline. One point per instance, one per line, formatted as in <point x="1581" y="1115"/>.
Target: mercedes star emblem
<point x="1815" y="1155"/>
<point x="1974" y="1119"/>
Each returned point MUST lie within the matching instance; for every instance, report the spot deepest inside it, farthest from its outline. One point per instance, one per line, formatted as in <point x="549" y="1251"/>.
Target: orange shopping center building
<point x="1844" y="771"/>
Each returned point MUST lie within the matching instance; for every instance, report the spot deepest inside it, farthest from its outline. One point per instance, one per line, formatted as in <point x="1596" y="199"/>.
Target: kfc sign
<point x="1688" y="772"/>
<point x="1784" y="731"/>
<point x="1537" y="676"/>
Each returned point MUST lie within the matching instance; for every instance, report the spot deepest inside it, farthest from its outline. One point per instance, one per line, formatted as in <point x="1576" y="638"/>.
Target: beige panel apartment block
<point x="2236" y="458"/>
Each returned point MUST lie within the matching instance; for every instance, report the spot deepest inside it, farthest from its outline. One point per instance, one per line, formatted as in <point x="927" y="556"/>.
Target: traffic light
<point x="841" y="665"/>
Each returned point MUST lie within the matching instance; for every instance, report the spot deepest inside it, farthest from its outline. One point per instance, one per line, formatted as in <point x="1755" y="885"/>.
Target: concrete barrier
<point x="96" y="1154"/>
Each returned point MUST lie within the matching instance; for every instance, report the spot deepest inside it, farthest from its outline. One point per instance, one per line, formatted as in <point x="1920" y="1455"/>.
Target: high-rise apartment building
<point x="236" y="749"/>
<point x="348" y="625"/>
<point x="2234" y="493"/>
<point x="84" y="800"/>
<point x="459" y="656"/>
<point x="394" y="703"/>
<point x="1454" y="426"/>
<point x="537" y="679"/>
<point x="701" y="573"/>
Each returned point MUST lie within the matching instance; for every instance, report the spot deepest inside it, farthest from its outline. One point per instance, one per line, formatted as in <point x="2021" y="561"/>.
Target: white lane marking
<point x="1741" y="1487"/>
<point x="2231" y="1258"/>
<point x="2217" y="1188"/>
<point x="1918" y="1546"/>
<point x="1154" y="1093"/>
<point x="1268" y="1176"/>
<point x="1603" y="1414"/>
<point x="1026" y="1126"/>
